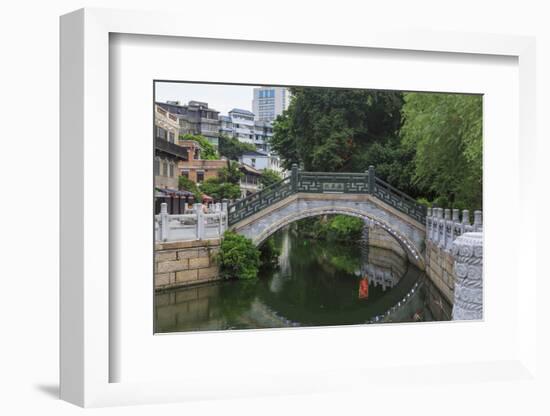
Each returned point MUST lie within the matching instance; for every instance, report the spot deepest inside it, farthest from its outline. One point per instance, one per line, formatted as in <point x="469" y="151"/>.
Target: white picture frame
<point x="87" y="356"/>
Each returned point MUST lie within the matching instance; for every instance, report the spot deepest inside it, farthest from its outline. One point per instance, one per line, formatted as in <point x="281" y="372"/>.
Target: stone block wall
<point x="185" y="263"/>
<point x="379" y="237"/>
<point x="440" y="269"/>
<point x="190" y="309"/>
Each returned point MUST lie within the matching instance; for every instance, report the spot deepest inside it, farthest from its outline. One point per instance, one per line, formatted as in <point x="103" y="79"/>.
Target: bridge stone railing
<point x="443" y="226"/>
<point x="198" y="224"/>
<point x="454" y="259"/>
<point x="326" y="182"/>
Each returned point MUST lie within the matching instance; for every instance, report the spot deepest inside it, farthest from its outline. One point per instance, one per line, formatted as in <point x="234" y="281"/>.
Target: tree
<point x="220" y="190"/>
<point x="446" y="132"/>
<point x="231" y="173"/>
<point x="208" y="151"/>
<point x="185" y="184"/>
<point x="232" y="149"/>
<point x="329" y="129"/>
<point x="269" y="177"/>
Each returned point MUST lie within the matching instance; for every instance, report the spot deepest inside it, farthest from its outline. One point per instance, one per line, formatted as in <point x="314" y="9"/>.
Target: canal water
<point x="316" y="283"/>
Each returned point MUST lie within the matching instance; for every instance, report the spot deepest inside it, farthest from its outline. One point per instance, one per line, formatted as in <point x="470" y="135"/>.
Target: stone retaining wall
<point x="184" y="263"/>
<point x="379" y="237"/>
<point x="440" y="269"/>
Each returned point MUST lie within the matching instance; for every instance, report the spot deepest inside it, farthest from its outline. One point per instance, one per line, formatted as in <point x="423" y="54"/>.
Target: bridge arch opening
<point x="413" y="253"/>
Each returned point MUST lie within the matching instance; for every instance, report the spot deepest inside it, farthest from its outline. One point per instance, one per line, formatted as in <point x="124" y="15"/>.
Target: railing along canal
<point x="198" y="223"/>
<point x="326" y="182"/>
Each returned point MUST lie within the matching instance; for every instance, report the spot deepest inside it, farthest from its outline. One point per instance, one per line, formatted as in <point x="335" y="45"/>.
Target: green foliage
<point x="269" y="253"/>
<point x="185" y="184"/>
<point x="324" y="129"/>
<point x="269" y="177"/>
<point x="238" y="257"/>
<point x="208" y="151"/>
<point x="231" y="174"/>
<point x="232" y="148"/>
<point x="428" y="145"/>
<point x="446" y="132"/>
<point x="220" y="190"/>
<point x="333" y="228"/>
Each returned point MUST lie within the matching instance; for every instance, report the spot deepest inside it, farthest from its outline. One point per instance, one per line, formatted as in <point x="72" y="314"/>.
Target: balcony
<point x="171" y="149"/>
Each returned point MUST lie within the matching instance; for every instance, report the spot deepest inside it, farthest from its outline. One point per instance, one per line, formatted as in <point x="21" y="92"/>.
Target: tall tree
<point x="446" y="132"/>
<point x="326" y="128"/>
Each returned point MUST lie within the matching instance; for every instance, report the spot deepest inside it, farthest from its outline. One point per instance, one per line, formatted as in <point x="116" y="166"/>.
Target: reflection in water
<point x="316" y="283"/>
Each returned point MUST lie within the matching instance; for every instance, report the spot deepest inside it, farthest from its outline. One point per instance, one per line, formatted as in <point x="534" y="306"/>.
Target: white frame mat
<point x="88" y="359"/>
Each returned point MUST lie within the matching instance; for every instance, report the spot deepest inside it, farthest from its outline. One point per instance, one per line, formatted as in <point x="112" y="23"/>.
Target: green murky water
<point x="316" y="283"/>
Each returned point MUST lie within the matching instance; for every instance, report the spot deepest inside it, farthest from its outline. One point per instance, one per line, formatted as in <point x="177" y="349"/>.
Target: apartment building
<point x="195" y="118"/>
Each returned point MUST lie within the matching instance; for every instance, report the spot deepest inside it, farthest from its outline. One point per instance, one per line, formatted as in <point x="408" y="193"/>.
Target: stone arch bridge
<point x="310" y="194"/>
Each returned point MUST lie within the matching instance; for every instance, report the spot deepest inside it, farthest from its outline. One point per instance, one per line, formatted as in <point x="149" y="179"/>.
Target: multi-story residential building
<point x="250" y="181"/>
<point x="261" y="160"/>
<point x="243" y="125"/>
<point x="195" y="168"/>
<point x="226" y="126"/>
<point x="167" y="152"/>
<point x="269" y="102"/>
<point x="263" y="132"/>
<point x="195" y="118"/>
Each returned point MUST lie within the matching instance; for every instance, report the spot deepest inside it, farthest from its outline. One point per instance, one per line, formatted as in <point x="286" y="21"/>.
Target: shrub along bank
<point x="239" y="258"/>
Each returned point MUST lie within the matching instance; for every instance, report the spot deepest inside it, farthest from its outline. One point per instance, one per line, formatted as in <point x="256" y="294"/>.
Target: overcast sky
<point x="220" y="97"/>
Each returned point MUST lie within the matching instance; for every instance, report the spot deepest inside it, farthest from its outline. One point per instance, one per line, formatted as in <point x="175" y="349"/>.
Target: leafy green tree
<point x="185" y="184"/>
<point x="269" y="177"/>
<point x="208" y="151"/>
<point x="326" y="128"/>
<point x="220" y="190"/>
<point x="238" y="257"/>
<point x="231" y="173"/>
<point x="232" y="148"/>
<point x="446" y="132"/>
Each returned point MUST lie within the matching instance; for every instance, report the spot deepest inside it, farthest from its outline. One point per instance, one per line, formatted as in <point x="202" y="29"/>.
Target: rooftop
<point x="249" y="169"/>
<point x="255" y="153"/>
<point x="241" y="111"/>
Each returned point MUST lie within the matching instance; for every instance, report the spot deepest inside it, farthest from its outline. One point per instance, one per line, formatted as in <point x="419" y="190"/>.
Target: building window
<point x="171" y="137"/>
<point x="171" y="170"/>
<point x="165" y="168"/>
<point x="253" y="162"/>
<point x="200" y="176"/>
<point x="156" y="167"/>
<point x="161" y="133"/>
<point x="185" y="173"/>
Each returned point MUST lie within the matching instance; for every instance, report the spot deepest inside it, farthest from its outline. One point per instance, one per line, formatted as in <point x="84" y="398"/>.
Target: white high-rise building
<point x="269" y="102"/>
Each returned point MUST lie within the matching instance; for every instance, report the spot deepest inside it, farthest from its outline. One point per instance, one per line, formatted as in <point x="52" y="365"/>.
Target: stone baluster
<point x="438" y="219"/>
<point x="371" y="179"/>
<point x="478" y="224"/>
<point x="294" y="178"/>
<point x="468" y="285"/>
<point x="441" y="227"/>
<point x="200" y="221"/>
<point x="429" y="224"/>
<point x="446" y="226"/>
<point x="455" y="227"/>
<point x="465" y="221"/>
<point x="225" y="214"/>
<point x="164" y="225"/>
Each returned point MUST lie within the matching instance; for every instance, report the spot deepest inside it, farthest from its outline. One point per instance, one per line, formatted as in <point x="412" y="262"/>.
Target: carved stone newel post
<point x="468" y="288"/>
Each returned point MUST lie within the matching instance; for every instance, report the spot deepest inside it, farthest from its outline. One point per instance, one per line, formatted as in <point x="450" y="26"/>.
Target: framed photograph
<point x="286" y="214"/>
